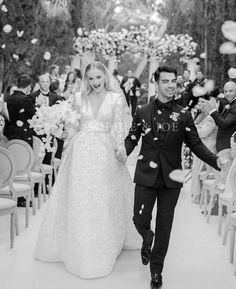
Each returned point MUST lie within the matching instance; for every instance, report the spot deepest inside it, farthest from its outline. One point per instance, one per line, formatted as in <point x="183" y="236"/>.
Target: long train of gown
<point x="88" y="219"/>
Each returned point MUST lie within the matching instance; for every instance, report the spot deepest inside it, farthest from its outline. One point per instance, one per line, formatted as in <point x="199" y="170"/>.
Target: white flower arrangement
<point x="50" y="121"/>
<point x="138" y="40"/>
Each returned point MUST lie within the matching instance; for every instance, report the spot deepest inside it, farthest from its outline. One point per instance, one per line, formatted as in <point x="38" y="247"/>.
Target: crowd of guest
<point x="214" y="113"/>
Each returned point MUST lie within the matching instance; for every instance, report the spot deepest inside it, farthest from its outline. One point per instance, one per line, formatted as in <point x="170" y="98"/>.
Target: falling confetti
<point x="232" y="73"/>
<point x="133" y="137"/>
<point x="140" y="157"/>
<point x="16" y="57"/>
<point x="177" y="175"/>
<point x="153" y="165"/>
<point x="22" y="110"/>
<point x="19" y="123"/>
<point x="19" y="33"/>
<point x="7" y="28"/>
<point x="187" y="129"/>
<point x="3" y="46"/>
<point x="33" y="41"/>
<point x="4" y="8"/>
<point x="47" y="55"/>
<point x="159" y="112"/>
<point x="147" y="130"/>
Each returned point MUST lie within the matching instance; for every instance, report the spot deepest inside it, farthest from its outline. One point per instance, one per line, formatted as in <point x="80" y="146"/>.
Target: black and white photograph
<point x="117" y="144"/>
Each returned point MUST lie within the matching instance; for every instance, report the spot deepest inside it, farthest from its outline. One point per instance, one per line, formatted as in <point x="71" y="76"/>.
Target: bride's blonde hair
<point x="86" y="88"/>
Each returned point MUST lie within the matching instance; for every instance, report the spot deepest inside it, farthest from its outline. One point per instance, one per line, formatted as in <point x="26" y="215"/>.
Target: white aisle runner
<point x="196" y="258"/>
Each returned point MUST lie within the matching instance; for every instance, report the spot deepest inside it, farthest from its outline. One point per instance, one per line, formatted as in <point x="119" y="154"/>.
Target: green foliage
<point x="54" y="35"/>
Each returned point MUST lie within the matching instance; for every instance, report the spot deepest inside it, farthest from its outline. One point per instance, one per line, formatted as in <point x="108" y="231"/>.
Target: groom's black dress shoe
<point x="156" y="282"/>
<point x="146" y="248"/>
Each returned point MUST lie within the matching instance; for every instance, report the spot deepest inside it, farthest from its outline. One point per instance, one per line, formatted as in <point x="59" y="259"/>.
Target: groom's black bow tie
<point x="161" y="105"/>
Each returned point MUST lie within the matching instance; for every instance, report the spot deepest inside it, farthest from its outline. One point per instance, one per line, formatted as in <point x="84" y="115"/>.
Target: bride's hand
<point x="121" y="155"/>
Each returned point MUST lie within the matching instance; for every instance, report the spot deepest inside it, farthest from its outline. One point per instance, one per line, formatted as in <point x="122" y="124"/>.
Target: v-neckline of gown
<point x="98" y="111"/>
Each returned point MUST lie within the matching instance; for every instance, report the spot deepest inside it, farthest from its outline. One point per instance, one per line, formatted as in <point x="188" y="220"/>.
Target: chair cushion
<point x="19" y="187"/>
<point x="7" y="203"/>
<point x="233" y="216"/>
<point x="24" y="177"/>
<point x="47" y="168"/>
<point x="225" y="197"/>
<point x="56" y="161"/>
<point x="209" y="183"/>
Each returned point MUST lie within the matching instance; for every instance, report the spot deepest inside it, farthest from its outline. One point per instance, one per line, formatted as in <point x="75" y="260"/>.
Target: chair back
<point x="23" y="154"/>
<point x="39" y="152"/>
<point x="232" y="180"/>
<point x="7" y="168"/>
<point x="54" y="148"/>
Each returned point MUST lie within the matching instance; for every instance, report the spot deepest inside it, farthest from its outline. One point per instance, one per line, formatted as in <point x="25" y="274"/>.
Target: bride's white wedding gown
<point x="88" y="219"/>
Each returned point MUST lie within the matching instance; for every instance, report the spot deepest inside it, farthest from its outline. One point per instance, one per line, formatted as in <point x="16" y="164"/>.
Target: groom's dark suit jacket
<point x="226" y="122"/>
<point x="165" y="151"/>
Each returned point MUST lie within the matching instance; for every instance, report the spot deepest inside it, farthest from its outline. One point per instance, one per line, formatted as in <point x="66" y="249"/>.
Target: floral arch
<point x="139" y="41"/>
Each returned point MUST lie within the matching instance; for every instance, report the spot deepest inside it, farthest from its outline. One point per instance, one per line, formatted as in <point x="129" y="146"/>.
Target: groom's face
<point x="167" y="85"/>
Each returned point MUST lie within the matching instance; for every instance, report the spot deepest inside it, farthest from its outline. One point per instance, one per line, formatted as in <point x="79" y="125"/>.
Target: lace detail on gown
<point x="88" y="219"/>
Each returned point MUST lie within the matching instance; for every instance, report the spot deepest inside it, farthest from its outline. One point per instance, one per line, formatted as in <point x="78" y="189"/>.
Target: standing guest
<point x="225" y="121"/>
<point x="54" y="72"/>
<point x="129" y="85"/>
<point x="164" y="126"/>
<point x="43" y="96"/>
<point x="116" y="75"/>
<point x="186" y="78"/>
<point x="20" y="109"/>
<point x="71" y="83"/>
<point x="78" y="78"/>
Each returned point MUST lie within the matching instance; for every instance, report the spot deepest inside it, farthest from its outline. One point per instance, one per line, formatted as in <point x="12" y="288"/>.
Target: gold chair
<point x="11" y="189"/>
<point x="8" y="206"/>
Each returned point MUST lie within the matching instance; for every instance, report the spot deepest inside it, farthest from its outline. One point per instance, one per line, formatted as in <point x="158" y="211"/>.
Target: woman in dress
<point x="88" y="219"/>
<point x="207" y="131"/>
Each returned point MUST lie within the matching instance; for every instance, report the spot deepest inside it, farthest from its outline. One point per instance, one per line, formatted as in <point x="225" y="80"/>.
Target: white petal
<point x="153" y="165"/>
<point x="19" y="33"/>
<point x="140" y="157"/>
<point x="229" y="30"/>
<point x="177" y="175"/>
<point x="3" y="46"/>
<point x="227" y="48"/>
<point x="7" y="28"/>
<point x="22" y="110"/>
<point x="232" y="73"/>
<point x="198" y="91"/>
<point x="4" y="8"/>
<point x="33" y="41"/>
<point x="147" y="130"/>
<point x="187" y="129"/>
<point x="19" y="123"/>
<point x="209" y="85"/>
<point x="47" y="55"/>
<point x="133" y="137"/>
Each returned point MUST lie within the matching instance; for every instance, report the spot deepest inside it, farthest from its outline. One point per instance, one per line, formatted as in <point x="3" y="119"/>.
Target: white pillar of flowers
<point x="87" y="57"/>
<point x="153" y="65"/>
<point x="112" y="63"/>
<point x="76" y="61"/>
<point x="140" y="67"/>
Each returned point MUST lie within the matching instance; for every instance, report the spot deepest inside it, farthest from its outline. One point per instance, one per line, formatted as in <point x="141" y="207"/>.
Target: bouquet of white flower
<point x="55" y="120"/>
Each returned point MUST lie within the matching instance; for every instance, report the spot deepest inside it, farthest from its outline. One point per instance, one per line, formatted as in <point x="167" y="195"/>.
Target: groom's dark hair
<point x="164" y="68"/>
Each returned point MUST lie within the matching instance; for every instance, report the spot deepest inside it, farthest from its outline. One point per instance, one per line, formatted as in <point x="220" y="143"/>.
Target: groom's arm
<point x="134" y="133"/>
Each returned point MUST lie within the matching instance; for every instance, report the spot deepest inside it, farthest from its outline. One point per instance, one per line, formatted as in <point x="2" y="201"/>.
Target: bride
<point x="88" y="219"/>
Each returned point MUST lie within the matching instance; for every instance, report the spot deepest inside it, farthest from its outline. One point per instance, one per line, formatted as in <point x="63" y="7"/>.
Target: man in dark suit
<point x="129" y="85"/>
<point x="164" y="126"/>
<point x="226" y="120"/>
<point x="20" y="109"/>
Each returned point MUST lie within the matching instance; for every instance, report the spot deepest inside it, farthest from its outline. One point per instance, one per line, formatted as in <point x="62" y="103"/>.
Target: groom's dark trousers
<point x="164" y="128"/>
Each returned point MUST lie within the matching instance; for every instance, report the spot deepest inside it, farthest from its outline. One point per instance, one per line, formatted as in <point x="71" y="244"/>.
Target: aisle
<point x="196" y="259"/>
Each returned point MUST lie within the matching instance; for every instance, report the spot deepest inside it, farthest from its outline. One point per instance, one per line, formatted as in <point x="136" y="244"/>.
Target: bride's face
<point x="96" y="79"/>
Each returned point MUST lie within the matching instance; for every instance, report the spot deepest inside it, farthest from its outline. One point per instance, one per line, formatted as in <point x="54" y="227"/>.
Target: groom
<point x="164" y="126"/>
